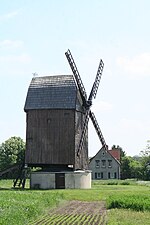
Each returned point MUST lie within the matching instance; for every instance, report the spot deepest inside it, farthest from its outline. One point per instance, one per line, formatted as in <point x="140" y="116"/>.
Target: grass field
<point x="127" y="202"/>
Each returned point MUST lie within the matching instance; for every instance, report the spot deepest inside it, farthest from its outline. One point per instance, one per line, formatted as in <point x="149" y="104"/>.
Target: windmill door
<point x="60" y="181"/>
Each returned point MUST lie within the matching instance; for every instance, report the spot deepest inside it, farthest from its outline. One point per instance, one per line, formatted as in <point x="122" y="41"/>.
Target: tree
<point x="125" y="167"/>
<point x="11" y="152"/>
<point x="145" y="162"/>
<point x="135" y="168"/>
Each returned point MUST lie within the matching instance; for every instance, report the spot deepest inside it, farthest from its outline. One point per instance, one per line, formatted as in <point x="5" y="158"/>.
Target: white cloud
<point x="23" y="58"/>
<point x="102" y="106"/>
<point x="9" y="15"/>
<point x="139" y="64"/>
<point x="11" y="44"/>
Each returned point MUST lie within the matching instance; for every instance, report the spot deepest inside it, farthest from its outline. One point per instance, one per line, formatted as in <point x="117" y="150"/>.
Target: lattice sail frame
<point x="87" y="102"/>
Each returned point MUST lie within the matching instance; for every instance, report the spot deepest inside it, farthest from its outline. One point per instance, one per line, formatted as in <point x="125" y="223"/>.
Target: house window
<point x="99" y="175"/>
<point x="103" y="163"/>
<point x="109" y="163"/>
<point x="103" y="153"/>
<point x="97" y="163"/>
<point x="115" y="175"/>
<point x="108" y="175"/>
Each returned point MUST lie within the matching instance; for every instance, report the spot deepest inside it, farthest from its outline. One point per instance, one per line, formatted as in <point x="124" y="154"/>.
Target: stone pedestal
<point x="61" y="180"/>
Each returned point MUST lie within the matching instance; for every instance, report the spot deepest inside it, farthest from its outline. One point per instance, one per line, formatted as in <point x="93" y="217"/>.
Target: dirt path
<point x="76" y="213"/>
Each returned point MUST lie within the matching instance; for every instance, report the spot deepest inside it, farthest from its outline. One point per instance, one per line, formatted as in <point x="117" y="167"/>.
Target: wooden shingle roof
<point x="51" y="92"/>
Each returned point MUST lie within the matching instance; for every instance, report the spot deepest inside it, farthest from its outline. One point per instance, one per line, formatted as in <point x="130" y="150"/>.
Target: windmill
<point x="87" y="102"/>
<point x="57" y="115"/>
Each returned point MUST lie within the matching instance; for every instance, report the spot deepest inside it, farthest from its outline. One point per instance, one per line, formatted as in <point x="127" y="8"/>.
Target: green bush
<point x="112" y="183"/>
<point x="125" y="183"/>
<point x="134" y="202"/>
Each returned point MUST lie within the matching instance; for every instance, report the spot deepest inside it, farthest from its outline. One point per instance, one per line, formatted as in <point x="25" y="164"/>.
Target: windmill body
<point x="54" y="124"/>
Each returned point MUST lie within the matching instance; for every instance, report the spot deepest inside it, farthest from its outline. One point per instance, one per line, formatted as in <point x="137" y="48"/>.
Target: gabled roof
<point x="51" y="92"/>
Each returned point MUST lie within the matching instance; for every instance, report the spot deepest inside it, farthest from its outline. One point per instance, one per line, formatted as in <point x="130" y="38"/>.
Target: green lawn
<point x="127" y="202"/>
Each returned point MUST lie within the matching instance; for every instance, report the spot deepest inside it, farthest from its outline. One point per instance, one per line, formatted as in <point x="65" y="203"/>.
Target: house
<point x="105" y="164"/>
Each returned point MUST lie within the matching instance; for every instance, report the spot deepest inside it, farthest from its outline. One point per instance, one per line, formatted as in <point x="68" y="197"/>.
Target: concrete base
<point x="72" y="180"/>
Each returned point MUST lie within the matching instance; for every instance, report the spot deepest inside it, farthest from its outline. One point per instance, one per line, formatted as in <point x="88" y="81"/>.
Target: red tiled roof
<point x="115" y="153"/>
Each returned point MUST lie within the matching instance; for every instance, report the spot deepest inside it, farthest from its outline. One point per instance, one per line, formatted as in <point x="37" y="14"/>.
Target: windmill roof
<point x="51" y="92"/>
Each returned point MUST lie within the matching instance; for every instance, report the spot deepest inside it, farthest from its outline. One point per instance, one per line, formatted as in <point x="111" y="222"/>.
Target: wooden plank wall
<point x="50" y="137"/>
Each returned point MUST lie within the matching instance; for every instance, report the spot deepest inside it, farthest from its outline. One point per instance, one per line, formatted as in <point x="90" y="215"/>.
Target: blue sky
<point x="34" y="37"/>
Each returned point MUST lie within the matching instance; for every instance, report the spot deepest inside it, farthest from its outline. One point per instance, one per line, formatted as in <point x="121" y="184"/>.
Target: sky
<point x="34" y="36"/>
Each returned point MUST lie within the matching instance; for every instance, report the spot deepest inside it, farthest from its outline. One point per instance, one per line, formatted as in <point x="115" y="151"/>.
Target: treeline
<point x="137" y="166"/>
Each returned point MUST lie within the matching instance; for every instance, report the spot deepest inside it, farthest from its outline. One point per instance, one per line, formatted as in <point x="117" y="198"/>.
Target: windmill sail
<point x="87" y="103"/>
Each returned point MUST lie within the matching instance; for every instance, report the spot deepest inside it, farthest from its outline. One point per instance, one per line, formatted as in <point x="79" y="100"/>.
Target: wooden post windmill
<point x="86" y="104"/>
<point x="58" y="111"/>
